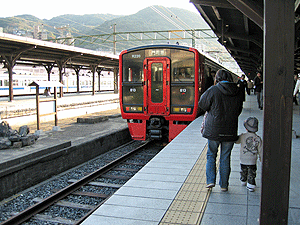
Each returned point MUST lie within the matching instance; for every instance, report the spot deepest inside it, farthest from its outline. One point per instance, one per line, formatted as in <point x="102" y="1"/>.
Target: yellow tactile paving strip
<point x="189" y="204"/>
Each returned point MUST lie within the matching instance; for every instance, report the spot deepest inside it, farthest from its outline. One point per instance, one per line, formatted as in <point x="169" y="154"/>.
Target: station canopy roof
<point x="32" y="52"/>
<point x="239" y="27"/>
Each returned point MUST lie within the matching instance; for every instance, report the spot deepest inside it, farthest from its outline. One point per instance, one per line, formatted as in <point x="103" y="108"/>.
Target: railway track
<point x="82" y="195"/>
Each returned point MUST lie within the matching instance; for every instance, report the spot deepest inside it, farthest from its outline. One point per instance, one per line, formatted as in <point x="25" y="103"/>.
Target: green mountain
<point x="79" y="25"/>
<point x="154" y="18"/>
<point x="150" y="20"/>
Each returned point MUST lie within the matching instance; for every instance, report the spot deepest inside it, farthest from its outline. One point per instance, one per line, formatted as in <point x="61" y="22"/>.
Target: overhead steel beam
<point x="247" y="51"/>
<point x="216" y="3"/>
<point x="251" y="10"/>
<point x="205" y="17"/>
<point x="245" y="59"/>
<point x="251" y="38"/>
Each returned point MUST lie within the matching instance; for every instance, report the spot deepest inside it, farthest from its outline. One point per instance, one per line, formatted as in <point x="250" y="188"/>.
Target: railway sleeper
<point x="147" y="154"/>
<point x="99" y="184"/>
<point x="68" y="204"/>
<point x="86" y="193"/>
<point x="126" y="169"/>
<point x="51" y="219"/>
<point x="115" y="177"/>
<point x="133" y="163"/>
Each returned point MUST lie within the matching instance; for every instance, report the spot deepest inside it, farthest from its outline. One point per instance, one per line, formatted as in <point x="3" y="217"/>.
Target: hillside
<point x="77" y="25"/>
<point x="154" y="18"/>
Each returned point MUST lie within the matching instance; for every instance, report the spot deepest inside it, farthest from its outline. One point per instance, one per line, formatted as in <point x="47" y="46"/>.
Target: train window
<point x="133" y="67"/>
<point x="209" y="76"/>
<point x="1" y="83"/>
<point x="6" y="83"/>
<point x="183" y="66"/>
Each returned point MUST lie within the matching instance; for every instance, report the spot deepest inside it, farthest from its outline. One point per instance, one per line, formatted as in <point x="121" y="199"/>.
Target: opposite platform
<point x="57" y="151"/>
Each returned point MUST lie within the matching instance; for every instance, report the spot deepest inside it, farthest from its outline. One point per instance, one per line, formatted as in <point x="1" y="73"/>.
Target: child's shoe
<point x="250" y="187"/>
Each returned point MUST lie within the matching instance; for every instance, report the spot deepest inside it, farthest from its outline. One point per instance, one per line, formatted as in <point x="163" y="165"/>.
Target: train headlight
<point x="182" y="110"/>
<point x="134" y="109"/>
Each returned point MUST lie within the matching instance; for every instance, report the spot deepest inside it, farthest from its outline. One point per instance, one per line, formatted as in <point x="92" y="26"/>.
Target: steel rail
<point x="38" y="207"/>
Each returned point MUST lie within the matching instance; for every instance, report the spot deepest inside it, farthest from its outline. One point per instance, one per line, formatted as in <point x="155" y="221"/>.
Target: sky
<point x="53" y="8"/>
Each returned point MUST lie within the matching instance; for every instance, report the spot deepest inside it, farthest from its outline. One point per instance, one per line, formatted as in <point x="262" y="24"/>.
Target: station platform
<point x="170" y="189"/>
<point x="23" y="104"/>
<point x="70" y="130"/>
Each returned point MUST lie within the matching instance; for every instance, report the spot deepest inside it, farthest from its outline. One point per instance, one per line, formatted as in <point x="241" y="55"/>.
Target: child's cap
<point x="251" y="124"/>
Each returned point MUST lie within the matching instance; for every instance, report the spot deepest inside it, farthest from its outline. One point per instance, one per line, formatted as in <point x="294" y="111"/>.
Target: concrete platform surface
<point x="170" y="189"/>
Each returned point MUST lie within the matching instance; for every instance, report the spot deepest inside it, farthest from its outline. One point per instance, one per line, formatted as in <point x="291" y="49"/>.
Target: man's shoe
<point x="224" y="189"/>
<point x="211" y="185"/>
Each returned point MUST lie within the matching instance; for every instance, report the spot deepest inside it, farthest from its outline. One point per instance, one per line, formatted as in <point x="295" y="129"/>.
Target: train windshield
<point x="183" y="66"/>
<point x="133" y="77"/>
<point x="133" y="66"/>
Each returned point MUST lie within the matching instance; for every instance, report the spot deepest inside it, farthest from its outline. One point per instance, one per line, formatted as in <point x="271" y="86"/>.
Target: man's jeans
<point x="225" y="169"/>
<point x="260" y="98"/>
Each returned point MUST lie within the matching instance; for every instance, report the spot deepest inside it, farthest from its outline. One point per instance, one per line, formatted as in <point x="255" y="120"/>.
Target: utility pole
<point x="115" y="38"/>
<point x="193" y="39"/>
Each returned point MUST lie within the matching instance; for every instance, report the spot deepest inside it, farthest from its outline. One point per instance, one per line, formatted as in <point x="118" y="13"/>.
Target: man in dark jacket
<point x="258" y="87"/>
<point x="242" y="84"/>
<point x="223" y="104"/>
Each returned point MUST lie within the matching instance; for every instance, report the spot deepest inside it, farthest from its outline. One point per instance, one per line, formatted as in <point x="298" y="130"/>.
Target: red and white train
<point x="160" y="86"/>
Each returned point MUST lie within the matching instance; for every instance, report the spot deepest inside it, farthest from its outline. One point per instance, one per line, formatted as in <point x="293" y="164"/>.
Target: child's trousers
<point x="248" y="173"/>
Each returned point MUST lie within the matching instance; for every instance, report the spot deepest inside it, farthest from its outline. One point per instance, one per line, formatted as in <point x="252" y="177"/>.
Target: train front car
<point x="159" y="90"/>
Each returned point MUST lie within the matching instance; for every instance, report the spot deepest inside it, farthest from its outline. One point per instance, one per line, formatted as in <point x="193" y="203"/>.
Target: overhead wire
<point x="173" y="15"/>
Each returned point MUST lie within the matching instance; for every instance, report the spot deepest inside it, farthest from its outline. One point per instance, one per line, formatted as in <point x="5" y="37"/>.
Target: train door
<point x="157" y="99"/>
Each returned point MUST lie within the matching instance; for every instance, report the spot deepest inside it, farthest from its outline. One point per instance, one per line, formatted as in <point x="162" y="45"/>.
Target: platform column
<point x="49" y="67"/>
<point x="116" y="88"/>
<point x="93" y="70"/>
<point x="77" y="70"/>
<point x="60" y="65"/>
<point x="9" y="64"/>
<point x="278" y="108"/>
<point x="99" y="70"/>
